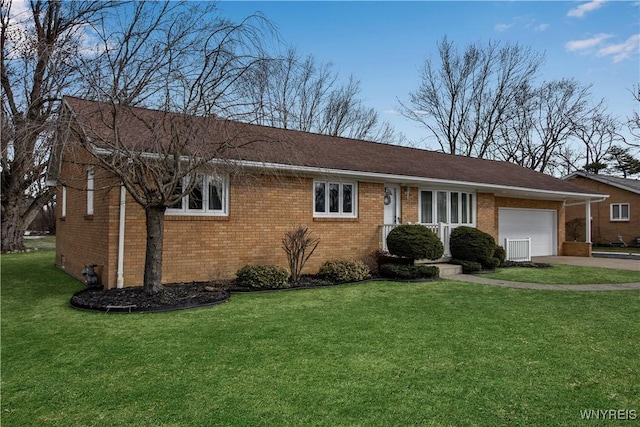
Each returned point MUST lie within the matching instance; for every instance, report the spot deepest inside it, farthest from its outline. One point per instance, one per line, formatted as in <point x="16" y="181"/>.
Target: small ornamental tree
<point x="415" y="242"/>
<point x="299" y="245"/>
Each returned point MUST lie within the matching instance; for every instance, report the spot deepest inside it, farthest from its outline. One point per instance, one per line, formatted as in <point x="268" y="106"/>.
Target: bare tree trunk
<point x="153" y="257"/>
<point x="12" y="227"/>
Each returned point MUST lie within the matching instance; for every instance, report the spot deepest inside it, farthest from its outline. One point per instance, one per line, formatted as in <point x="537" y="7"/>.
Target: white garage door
<point x="540" y="225"/>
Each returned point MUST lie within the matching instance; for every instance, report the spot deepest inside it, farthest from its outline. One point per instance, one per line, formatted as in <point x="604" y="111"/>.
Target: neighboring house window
<point x="90" y="187"/>
<point x="63" y="204"/>
<point x="619" y="211"/>
<point x="209" y="196"/>
<point x="452" y="207"/>
<point x="334" y="199"/>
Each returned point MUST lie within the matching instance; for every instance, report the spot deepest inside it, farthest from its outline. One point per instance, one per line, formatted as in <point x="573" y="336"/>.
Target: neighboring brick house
<point x="350" y="193"/>
<point x="616" y="218"/>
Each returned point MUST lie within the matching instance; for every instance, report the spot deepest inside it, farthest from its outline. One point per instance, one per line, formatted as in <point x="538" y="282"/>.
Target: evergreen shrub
<point x="263" y="277"/>
<point x="406" y="272"/>
<point x="414" y="241"/>
<point x="342" y="271"/>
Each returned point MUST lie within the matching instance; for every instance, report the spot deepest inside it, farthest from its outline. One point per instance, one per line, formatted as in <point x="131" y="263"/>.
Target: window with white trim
<point x="209" y="196"/>
<point x="334" y="199"/>
<point x="619" y="211"/>
<point x="453" y="207"/>
<point x="90" y="188"/>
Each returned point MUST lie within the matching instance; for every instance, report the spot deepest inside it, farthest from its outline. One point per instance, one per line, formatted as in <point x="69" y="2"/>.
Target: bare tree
<point x="464" y="97"/>
<point x="598" y="132"/>
<point x="41" y="46"/>
<point x="186" y="62"/>
<point x="633" y="121"/>
<point x="542" y="124"/>
<point x="291" y="92"/>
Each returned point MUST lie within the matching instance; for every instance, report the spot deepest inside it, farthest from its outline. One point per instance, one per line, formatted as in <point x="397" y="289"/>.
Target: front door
<point x="391" y="204"/>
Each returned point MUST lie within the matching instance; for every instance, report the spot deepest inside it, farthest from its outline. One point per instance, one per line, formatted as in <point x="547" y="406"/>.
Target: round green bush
<point x="414" y="241"/>
<point x="342" y="271"/>
<point x="263" y="277"/>
<point x="471" y="244"/>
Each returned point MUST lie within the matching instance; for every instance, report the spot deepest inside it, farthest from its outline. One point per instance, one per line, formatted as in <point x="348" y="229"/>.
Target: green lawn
<point x="565" y="274"/>
<point x="373" y="354"/>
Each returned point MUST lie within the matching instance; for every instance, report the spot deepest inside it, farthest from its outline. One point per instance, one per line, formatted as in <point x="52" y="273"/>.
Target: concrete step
<point x="449" y="269"/>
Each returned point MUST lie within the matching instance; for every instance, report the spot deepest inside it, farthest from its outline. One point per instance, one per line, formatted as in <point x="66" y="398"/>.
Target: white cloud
<point x="502" y="27"/>
<point x="622" y="50"/>
<point x="541" y="27"/>
<point x="584" y="8"/>
<point x="594" y="41"/>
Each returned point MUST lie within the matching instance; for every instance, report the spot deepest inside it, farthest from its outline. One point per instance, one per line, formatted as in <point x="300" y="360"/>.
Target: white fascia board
<point x="382" y="177"/>
<point x="414" y="180"/>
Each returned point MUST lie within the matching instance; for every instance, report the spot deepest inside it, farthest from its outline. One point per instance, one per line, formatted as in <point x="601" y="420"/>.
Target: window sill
<point x="335" y="219"/>
<point x="619" y="220"/>
<point x="196" y="217"/>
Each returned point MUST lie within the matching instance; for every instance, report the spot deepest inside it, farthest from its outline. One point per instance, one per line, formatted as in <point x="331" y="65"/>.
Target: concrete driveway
<point x="622" y="264"/>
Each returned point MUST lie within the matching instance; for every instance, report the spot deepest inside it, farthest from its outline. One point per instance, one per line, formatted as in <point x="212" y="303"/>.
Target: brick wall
<point x="262" y="209"/>
<point x="603" y="230"/>
<point x="83" y="239"/>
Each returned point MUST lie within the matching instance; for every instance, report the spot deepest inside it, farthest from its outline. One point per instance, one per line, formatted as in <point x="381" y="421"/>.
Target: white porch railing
<point x="518" y="249"/>
<point x="442" y="230"/>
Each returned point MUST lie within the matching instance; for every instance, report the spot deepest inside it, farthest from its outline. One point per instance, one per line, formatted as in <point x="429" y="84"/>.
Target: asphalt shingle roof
<point x="254" y="143"/>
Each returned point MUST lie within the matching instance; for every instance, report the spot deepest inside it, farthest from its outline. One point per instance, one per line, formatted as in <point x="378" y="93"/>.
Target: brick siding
<point x="261" y="209"/>
<point x="603" y="230"/>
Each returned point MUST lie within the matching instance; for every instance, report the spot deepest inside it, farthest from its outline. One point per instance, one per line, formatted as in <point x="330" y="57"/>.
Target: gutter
<point x="382" y="177"/>
<point x="599" y="200"/>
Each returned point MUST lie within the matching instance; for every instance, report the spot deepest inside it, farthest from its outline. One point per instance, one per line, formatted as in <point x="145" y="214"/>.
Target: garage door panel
<point x="539" y="225"/>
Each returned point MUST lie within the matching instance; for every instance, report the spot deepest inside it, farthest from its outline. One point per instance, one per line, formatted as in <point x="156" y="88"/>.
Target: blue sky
<point x="383" y="44"/>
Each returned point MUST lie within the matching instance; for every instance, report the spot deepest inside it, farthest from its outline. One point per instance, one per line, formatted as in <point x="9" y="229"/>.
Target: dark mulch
<point x="173" y="297"/>
<point x="134" y="299"/>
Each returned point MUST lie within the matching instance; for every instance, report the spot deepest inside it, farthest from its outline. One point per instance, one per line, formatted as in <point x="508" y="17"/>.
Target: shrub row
<point x="275" y="277"/>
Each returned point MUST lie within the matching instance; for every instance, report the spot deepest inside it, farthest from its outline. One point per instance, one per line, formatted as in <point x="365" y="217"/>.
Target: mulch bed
<point x="173" y="297"/>
<point x="134" y="299"/>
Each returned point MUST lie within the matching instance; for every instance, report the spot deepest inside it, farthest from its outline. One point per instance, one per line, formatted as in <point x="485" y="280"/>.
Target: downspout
<point x="121" y="223"/>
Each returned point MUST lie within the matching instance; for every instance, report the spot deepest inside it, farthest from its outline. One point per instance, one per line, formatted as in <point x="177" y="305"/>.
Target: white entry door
<point x="391" y="204"/>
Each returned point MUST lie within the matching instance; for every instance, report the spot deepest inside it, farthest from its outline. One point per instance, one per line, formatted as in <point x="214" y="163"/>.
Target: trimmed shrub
<point x="406" y="272"/>
<point x="342" y="271"/>
<point x="415" y="242"/>
<point x="491" y="263"/>
<point x="468" y="267"/>
<point x="501" y="254"/>
<point x="471" y="244"/>
<point x="263" y="277"/>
